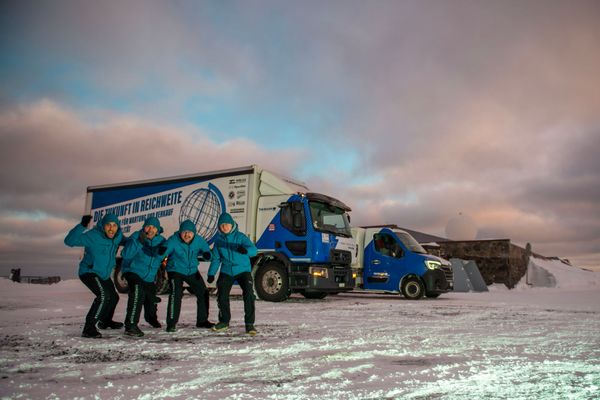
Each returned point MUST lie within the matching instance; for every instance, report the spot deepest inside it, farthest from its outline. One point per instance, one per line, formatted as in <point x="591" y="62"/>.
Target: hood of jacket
<point x="226" y="218"/>
<point x="107" y="219"/>
<point x="153" y="221"/>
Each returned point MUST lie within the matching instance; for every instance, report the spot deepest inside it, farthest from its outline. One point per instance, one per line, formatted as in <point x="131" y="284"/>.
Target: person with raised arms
<point x="101" y="244"/>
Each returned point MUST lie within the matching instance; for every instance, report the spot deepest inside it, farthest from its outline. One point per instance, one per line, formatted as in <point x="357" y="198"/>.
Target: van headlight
<point x="430" y="264"/>
<point x="318" y="271"/>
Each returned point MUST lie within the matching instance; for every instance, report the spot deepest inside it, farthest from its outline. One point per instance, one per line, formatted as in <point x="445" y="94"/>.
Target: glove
<point x="210" y="279"/>
<point x="85" y="220"/>
<point x="206" y="256"/>
<point x="142" y="237"/>
<point x="162" y="250"/>
<point x="241" y="249"/>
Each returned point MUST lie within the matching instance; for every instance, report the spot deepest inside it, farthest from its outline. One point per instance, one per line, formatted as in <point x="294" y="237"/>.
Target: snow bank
<point x="557" y="274"/>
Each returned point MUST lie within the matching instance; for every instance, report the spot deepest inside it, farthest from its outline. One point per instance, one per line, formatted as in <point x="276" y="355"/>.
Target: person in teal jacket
<point x="101" y="244"/>
<point x="231" y="254"/>
<point x="142" y="256"/>
<point x="183" y="249"/>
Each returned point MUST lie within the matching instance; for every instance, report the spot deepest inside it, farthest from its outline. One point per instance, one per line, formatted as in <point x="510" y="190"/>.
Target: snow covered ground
<point x="527" y="343"/>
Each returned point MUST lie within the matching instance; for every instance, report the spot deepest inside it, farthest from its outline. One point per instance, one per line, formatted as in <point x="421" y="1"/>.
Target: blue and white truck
<point x="304" y="239"/>
<point x="390" y="260"/>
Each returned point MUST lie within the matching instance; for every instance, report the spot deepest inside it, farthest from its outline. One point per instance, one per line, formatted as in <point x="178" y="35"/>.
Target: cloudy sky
<point x="409" y="111"/>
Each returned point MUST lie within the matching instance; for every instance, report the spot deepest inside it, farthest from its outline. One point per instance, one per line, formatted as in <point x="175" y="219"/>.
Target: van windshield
<point x="327" y="218"/>
<point x="410" y="242"/>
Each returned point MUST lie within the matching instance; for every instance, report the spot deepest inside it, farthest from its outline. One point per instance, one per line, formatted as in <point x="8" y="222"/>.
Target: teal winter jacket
<point x="225" y="252"/>
<point x="183" y="257"/>
<point x="100" y="251"/>
<point x="144" y="259"/>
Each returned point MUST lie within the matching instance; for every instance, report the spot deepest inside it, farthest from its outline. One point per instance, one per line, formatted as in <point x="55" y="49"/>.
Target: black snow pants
<point x="103" y="306"/>
<point x="198" y="288"/>
<point x="141" y="294"/>
<point x="224" y="284"/>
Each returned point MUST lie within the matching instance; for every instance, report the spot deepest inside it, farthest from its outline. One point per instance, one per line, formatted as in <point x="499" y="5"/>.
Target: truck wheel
<point x="432" y="295"/>
<point x="120" y="283"/>
<point x="412" y="289"/>
<point x="161" y="282"/>
<point x="271" y="282"/>
<point x="314" y="295"/>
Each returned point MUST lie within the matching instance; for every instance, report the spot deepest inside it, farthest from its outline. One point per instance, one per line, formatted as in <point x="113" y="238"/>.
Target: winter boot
<point x="205" y="324"/>
<point x="110" y="325"/>
<point x="155" y="323"/>
<point x="171" y="328"/>
<point x="221" y="326"/>
<point x="91" y="332"/>
<point x="133" y="331"/>
<point x="250" y="330"/>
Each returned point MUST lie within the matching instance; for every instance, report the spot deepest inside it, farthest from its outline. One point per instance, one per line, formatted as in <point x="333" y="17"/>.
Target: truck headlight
<point x="430" y="264"/>
<point x="318" y="271"/>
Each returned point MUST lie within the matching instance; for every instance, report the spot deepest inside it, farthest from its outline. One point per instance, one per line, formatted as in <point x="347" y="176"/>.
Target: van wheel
<point x="271" y="282"/>
<point x="412" y="289"/>
<point x="120" y="282"/>
<point x="314" y="295"/>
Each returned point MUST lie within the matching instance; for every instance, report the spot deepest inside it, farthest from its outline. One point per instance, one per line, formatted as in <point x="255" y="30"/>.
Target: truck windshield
<point x="327" y="218"/>
<point x="410" y="242"/>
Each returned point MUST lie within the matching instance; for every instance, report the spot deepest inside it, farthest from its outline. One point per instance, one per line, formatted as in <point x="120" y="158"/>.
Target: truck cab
<point x="389" y="259"/>
<point x="306" y="247"/>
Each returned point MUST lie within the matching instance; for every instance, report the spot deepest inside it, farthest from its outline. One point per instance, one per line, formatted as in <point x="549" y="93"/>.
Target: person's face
<point x="225" y="228"/>
<point x="150" y="231"/>
<point x="110" y="230"/>
<point x="186" y="236"/>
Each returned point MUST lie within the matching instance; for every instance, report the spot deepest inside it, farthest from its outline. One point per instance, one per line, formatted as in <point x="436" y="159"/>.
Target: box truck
<point x="304" y="239"/>
<point x="389" y="259"/>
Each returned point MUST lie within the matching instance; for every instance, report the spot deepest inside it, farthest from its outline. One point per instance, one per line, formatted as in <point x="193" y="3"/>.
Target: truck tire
<point x="271" y="282"/>
<point x="120" y="283"/>
<point x="314" y="295"/>
<point x="412" y="288"/>
<point x="162" y="282"/>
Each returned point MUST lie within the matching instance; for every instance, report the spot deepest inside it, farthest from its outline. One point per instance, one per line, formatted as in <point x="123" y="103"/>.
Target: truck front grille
<point x="447" y="269"/>
<point x="340" y="256"/>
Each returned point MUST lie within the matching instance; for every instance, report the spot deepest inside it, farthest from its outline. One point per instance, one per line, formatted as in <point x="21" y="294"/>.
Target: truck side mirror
<point x="292" y="217"/>
<point x="298" y="221"/>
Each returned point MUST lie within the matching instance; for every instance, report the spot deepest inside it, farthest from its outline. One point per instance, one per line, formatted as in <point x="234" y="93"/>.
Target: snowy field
<point x="527" y="343"/>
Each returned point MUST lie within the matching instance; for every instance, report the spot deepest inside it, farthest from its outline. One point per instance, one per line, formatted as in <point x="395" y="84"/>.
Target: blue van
<point x="389" y="259"/>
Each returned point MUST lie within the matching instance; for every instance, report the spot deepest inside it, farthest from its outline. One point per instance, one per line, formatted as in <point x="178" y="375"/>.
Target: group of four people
<point x="143" y="252"/>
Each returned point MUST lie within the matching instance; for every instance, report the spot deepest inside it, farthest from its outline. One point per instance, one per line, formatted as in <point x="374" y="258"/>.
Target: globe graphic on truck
<point x="203" y="207"/>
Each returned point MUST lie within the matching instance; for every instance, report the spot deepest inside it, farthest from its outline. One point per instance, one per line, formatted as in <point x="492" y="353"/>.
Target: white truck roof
<point x="270" y="183"/>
